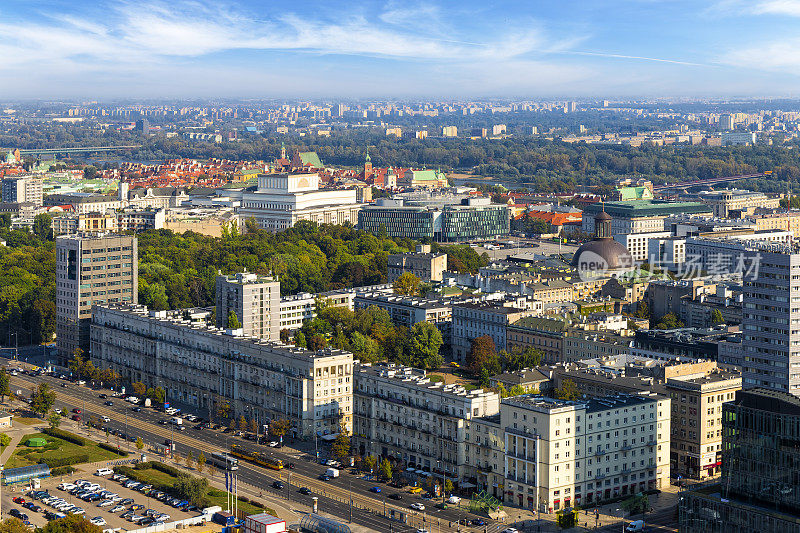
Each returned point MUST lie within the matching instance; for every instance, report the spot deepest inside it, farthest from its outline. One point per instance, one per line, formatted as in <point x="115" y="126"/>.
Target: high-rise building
<point x="771" y="340"/>
<point x="18" y="189"/>
<point x="727" y="122"/>
<point x="143" y="126"/>
<point x="450" y="131"/>
<point x="91" y="269"/>
<point x="760" y="485"/>
<point x="256" y="301"/>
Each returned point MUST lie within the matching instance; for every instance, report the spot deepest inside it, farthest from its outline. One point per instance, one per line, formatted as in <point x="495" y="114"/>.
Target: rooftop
<point x="644" y="208"/>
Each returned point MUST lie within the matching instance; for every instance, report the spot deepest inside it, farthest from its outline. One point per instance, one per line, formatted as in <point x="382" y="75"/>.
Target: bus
<point x="224" y="461"/>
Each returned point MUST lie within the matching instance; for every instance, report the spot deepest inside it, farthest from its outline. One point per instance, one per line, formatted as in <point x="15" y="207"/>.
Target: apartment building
<point x="297" y="308"/>
<point x="91" y="269"/>
<point x="581" y="344"/>
<point x="207" y="367"/>
<point x="544" y="334"/>
<point x="255" y="300"/>
<point x="562" y="453"/>
<point x="424" y="264"/>
<point x="473" y="320"/>
<point x="21" y="189"/>
<point x="696" y="440"/>
<point x="401" y="414"/>
<point x="638" y="243"/>
<point x="484" y="455"/>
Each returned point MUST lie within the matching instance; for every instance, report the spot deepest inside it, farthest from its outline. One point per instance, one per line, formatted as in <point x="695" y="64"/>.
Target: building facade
<point x="425" y="265"/>
<point x="91" y="269"/>
<point x="254" y="299"/>
<point x="207" y="367"/>
<point x="402" y="415"/>
<point x="473" y="320"/>
<point x="20" y="189"/>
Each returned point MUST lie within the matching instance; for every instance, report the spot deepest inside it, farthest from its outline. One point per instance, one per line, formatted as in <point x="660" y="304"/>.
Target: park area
<point x="57" y="452"/>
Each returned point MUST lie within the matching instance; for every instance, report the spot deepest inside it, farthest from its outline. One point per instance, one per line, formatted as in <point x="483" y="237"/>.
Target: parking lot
<point x="99" y="496"/>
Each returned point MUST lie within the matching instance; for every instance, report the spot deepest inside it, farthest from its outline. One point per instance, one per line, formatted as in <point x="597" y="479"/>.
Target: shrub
<point x="62" y="471"/>
<point x="54" y="462"/>
<point x="65" y="435"/>
<point x="112" y="448"/>
<point x="167" y="469"/>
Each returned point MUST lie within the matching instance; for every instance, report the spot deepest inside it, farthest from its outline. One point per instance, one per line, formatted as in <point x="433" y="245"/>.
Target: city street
<point x="334" y="496"/>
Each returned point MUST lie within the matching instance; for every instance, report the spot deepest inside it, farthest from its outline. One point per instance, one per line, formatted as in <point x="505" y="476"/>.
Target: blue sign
<point x="166" y="405"/>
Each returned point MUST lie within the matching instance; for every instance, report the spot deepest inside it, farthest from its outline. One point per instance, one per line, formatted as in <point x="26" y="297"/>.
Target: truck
<point x="175" y="420"/>
<point x="332" y="472"/>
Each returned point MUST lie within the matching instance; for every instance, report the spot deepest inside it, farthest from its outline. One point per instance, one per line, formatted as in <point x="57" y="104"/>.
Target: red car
<point x="18" y="500"/>
<point x="76" y="418"/>
<point x="76" y="411"/>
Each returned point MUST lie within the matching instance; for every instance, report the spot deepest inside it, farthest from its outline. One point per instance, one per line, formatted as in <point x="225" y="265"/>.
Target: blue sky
<point x="446" y="49"/>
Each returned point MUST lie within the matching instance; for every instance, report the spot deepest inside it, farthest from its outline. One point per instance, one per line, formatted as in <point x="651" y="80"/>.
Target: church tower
<point x="283" y="150"/>
<point x="367" y="165"/>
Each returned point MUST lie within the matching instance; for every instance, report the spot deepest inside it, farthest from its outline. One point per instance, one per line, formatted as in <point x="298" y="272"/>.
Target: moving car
<point x="376" y="490"/>
<point x="417" y="506"/>
<point x="454" y="500"/>
<point x="305" y="490"/>
<point x="278" y="484"/>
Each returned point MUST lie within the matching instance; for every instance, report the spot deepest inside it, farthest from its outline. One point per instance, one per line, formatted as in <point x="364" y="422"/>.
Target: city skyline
<point x="427" y="49"/>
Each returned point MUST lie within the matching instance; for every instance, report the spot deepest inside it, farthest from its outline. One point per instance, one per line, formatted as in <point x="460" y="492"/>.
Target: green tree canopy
<point x="483" y="355"/>
<point x="423" y="346"/>
<point x="407" y="284"/>
<point x="42" y="399"/>
<point x="233" y="320"/>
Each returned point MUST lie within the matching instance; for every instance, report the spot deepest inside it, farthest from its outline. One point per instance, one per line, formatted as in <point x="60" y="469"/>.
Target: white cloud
<point x="776" y="55"/>
<point x="777" y="7"/>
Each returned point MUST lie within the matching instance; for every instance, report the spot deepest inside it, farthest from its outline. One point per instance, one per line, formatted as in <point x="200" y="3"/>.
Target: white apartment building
<point x="205" y="366"/>
<point x="254" y="299"/>
<point x="281" y="200"/>
<point x="562" y="453"/>
<point x="667" y="253"/>
<point x="297" y="308"/>
<point x="401" y="414"/>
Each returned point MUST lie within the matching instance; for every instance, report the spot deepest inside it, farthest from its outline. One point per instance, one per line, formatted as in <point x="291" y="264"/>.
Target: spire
<point x="367" y="158"/>
<point x="283" y="150"/>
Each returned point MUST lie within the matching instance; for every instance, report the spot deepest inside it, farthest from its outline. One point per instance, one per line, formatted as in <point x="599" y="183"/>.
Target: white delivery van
<point x="332" y="472"/>
<point x="103" y="472"/>
<point x="636" y="526"/>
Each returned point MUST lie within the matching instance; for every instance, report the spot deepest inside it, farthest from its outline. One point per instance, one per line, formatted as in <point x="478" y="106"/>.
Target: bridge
<point x="710" y="181"/>
<point x="75" y="150"/>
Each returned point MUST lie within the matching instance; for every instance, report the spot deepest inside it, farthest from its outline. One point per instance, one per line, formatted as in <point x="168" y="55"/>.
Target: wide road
<point x="334" y="496"/>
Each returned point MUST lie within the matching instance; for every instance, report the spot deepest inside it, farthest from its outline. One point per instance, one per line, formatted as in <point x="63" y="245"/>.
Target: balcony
<point x="600" y="452"/>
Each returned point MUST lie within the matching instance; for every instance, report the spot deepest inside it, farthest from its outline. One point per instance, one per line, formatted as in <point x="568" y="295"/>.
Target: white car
<point x="511" y="530"/>
<point x="105" y="418"/>
<point x="98" y="521"/>
<point x="274" y="444"/>
<point x="417" y="506"/>
<point x="57" y="410"/>
<point x="105" y="503"/>
<point x="455" y="500"/>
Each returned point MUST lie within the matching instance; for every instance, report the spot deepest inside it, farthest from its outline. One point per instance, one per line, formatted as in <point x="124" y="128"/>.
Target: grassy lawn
<point x="21" y="456"/>
<point x="28" y="421"/>
<point x="215" y="496"/>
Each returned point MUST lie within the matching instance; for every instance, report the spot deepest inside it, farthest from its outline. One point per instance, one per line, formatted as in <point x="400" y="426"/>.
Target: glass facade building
<point x="760" y="485"/>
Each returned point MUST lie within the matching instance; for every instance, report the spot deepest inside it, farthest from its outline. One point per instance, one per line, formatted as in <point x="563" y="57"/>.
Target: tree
<point x="300" y="340"/>
<point x="483" y="354"/>
<point x="191" y="488"/>
<point x="70" y="524"/>
<point x="642" y="310"/>
<point x="139" y="443"/>
<point x="233" y="320"/>
<point x="189" y="460"/>
<point x="242" y="423"/>
<point x="5" y="220"/>
<point x="716" y="317"/>
<point x="54" y="420"/>
<point x="76" y="364"/>
<point x="5" y="385"/>
<point x="637" y="504"/>
<point x="567" y="391"/>
<point x="369" y="463"/>
<point x="518" y="359"/>
<point x="201" y="462"/>
<point x="139" y="388"/>
<point x="5" y="440"/>
<point x="341" y="446"/>
<point x="157" y="395"/>
<point x="407" y="284"/>
<point x="448" y="486"/>
<point x="317" y="342"/>
<point x="279" y="428"/>
<point x="42" y="399"/>
<point x="669" y="321"/>
<point x="252" y="426"/>
<point x="43" y="226"/>
<point x="423" y="346"/>
<point x="385" y="470"/>
<point x="89" y="172"/>
<point x="177" y="457"/>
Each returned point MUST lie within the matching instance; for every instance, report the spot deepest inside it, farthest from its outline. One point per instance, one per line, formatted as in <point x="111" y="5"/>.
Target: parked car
<point x="396" y="496"/>
<point x="417" y="506"/>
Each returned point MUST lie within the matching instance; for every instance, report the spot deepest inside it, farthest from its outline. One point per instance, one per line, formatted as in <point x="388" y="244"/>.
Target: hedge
<point x="112" y="448"/>
<point x="65" y="461"/>
<point x="62" y="471"/>
<point x="65" y="435"/>
<point x="167" y="469"/>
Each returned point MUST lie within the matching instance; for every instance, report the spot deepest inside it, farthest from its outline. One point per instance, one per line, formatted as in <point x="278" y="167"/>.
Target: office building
<point x="255" y="300"/>
<point x="91" y="269"/>
<point x="564" y="454"/>
<point x="771" y="342"/>
<point x="760" y="485"/>
<point x="424" y="264"/>
<point x="638" y="243"/>
<point x="449" y="131"/>
<point x="281" y="200"/>
<point x="69" y="223"/>
<point x="21" y="189"/>
<point x="639" y="216"/>
<point x="142" y="126"/>
<point x="206" y="367"/>
<point x="400" y="413"/>
<point x="467" y="220"/>
<point x="724" y="201"/>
